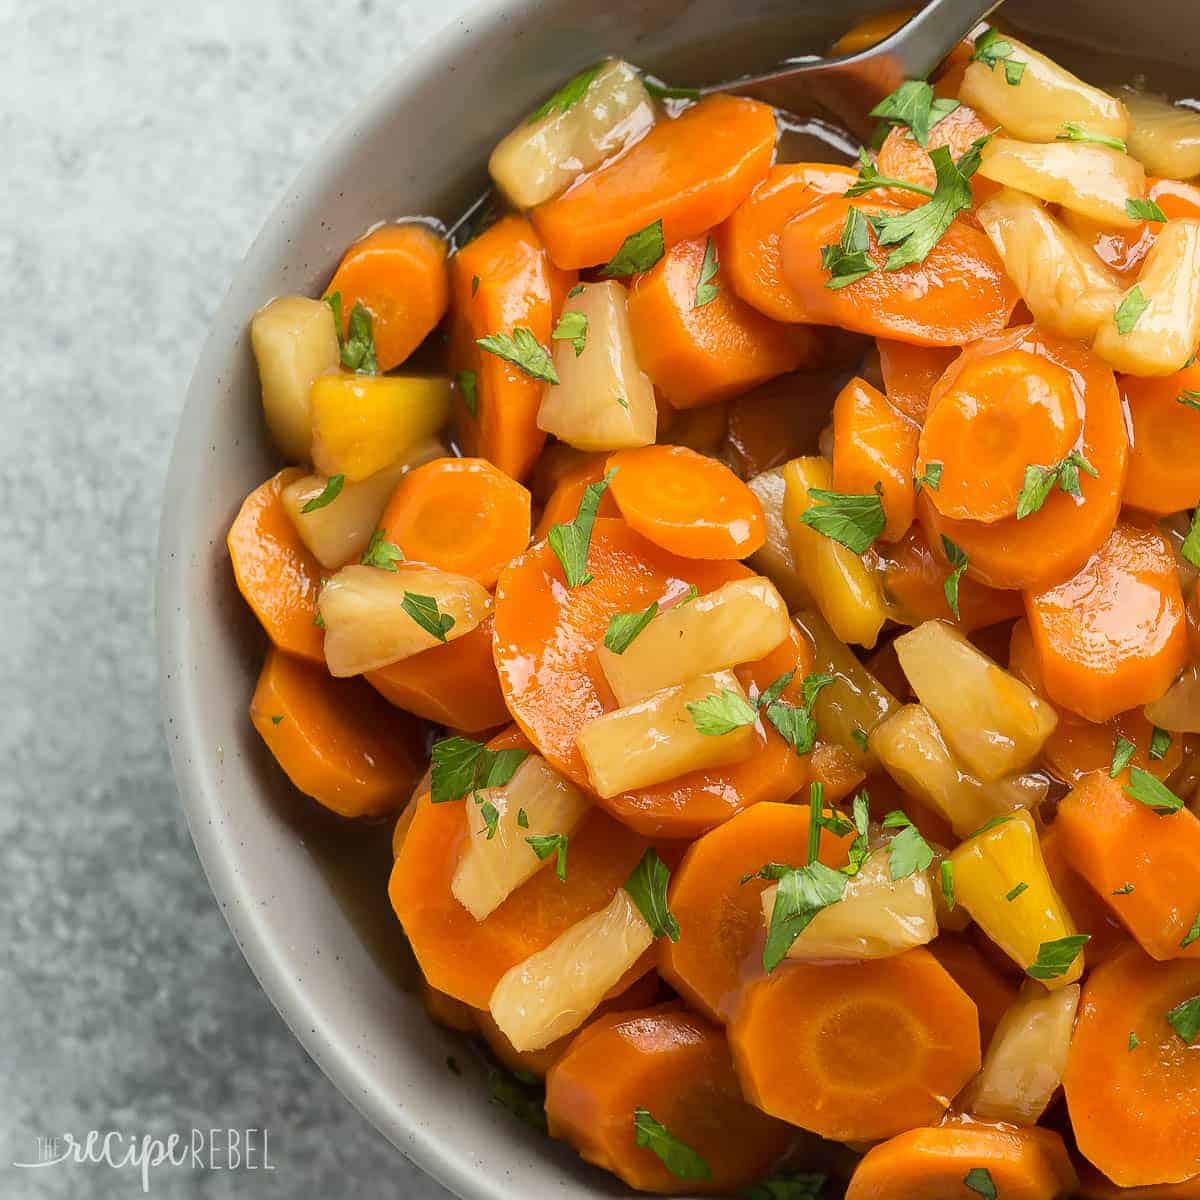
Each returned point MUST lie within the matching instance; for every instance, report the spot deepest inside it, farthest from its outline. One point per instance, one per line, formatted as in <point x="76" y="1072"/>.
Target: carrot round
<point x="749" y="241"/>
<point x="881" y="1046"/>
<point x="1001" y="413"/>
<point x="909" y="373"/>
<point x="874" y="444"/>
<point x="454" y="685"/>
<point x="465" y="957"/>
<point x="398" y="273"/>
<point x="563" y="502"/>
<point x="1164" y="455"/>
<point x="275" y="572"/>
<point x="500" y="281"/>
<point x="992" y="992"/>
<point x="913" y="579"/>
<point x="902" y="157"/>
<point x="1052" y="543"/>
<point x="446" y="1011"/>
<point x="675" y="1069"/>
<point x="958" y="293"/>
<point x="460" y="514"/>
<point x="545" y="648"/>
<point x="1089" y="912"/>
<point x="686" y="503"/>
<point x="719" y="951"/>
<point x="1143" y="864"/>
<point x="697" y="354"/>
<point x="1114" y="635"/>
<point x="935" y="1164"/>
<point x="1132" y="1083"/>
<point x="336" y="740"/>
<point x="690" y="172"/>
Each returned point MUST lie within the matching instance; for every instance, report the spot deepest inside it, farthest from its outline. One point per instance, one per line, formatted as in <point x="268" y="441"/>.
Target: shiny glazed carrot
<point x="909" y="373"/>
<point x="1164" y="452"/>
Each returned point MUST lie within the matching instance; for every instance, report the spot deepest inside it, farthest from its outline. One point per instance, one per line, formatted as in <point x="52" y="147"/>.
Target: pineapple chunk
<point x="1165" y="334"/>
<point x="1026" y="1057"/>
<point x="363" y="423"/>
<point x="1092" y="180"/>
<point x="876" y="917"/>
<point x="775" y="560"/>
<point x="493" y="867"/>
<point x="556" y="989"/>
<point x="1066" y="286"/>
<point x="294" y="341"/>
<point x="1163" y="138"/>
<point x="843" y="586"/>
<point x="739" y="622"/>
<point x="339" y="532"/>
<point x="991" y="721"/>
<point x="910" y="747"/>
<point x="988" y="869"/>
<point x="856" y="702"/>
<point x="544" y="154"/>
<point x="1178" y="708"/>
<point x="1046" y="97"/>
<point x="603" y="400"/>
<point x="657" y="739"/>
<point x="367" y="625"/>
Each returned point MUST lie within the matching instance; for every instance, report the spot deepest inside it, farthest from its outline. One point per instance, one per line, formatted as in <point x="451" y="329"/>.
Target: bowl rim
<point x="181" y="708"/>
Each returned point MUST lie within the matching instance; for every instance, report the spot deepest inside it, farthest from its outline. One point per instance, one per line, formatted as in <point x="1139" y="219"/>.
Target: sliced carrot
<point x="454" y="685"/>
<point x="875" y="444"/>
<point x="697" y="354"/>
<point x="1132" y="1083"/>
<point x="993" y="992"/>
<point x="902" y="157"/>
<point x="545" y="649"/>
<point x="465" y="957"/>
<point x="336" y="740"/>
<point x="275" y="572"/>
<point x="461" y="515"/>
<point x="958" y="293"/>
<point x="749" y="241"/>
<point x="1093" y="1186"/>
<point x="719" y="951"/>
<point x="1051" y="544"/>
<point x="501" y="281"/>
<point x="686" y="503"/>
<point x="690" y="173"/>
<point x="1142" y="864"/>
<point x="1076" y="747"/>
<point x="1114" y="635"/>
<point x="914" y="579"/>
<point x="1089" y="912"/>
<point x="1164" y="455"/>
<point x="397" y="273"/>
<point x="870" y="31"/>
<point x="446" y="1011"/>
<point x="675" y="1068"/>
<point x="909" y="373"/>
<point x="562" y="506"/>
<point x="881" y="1045"/>
<point x="779" y="421"/>
<point x="937" y="1164"/>
<point x="1002" y="412"/>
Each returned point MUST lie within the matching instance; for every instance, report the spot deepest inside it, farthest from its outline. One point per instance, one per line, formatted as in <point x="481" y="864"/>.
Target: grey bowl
<point x="304" y="894"/>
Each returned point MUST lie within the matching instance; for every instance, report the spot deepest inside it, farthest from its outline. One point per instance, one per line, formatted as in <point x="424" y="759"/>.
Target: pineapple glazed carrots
<point x="774" y="591"/>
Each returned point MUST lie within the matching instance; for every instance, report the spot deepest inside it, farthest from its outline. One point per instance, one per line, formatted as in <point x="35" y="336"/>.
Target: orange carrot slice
<point x="686" y="503"/>
<point x="1164" y="457"/>
<point x="1089" y="912"/>
<point x="690" y="173"/>
<point x="1132" y="1082"/>
<point x="1093" y="1186"/>
<point x="902" y="157"/>
<point x="501" y="281"/>
<point x="960" y="292"/>
<point x="1114" y="635"/>
<point x="909" y="373"/>
<point x="697" y="354"/>
<point x="749" y="241"/>
<point x="336" y="740"/>
<point x="398" y="273"/>
<point x="446" y="1011"/>
<point x="870" y="31"/>
<point x="672" y="1069"/>
<point x="881" y="1045"/>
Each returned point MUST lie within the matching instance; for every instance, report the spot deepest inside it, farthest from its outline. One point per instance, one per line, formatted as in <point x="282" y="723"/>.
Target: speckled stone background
<point x="143" y="142"/>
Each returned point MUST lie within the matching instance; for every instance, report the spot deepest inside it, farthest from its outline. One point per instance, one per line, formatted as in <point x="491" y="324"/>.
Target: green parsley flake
<point x="1185" y="1019"/>
<point x="460" y="765"/>
<point x="570" y="541"/>
<point x="805" y="1185"/>
<point x="992" y="48"/>
<point x="357" y="348"/>
<point x="647" y="888"/>
<point x="275" y="720"/>
<point x="569" y="94"/>
<point x="1152" y="792"/>
<point x="1123" y="890"/>
<point x="1040" y="481"/>
<point x="522" y="819"/>
<point x="860" y="739"/>
<point x="681" y="1160"/>
<point x="1133" y="1041"/>
<point x="572" y="327"/>
<point x="575" y="291"/>
<point x="1144" y="210"/>
<point x="802" y="893"/>
<point x="1130" y="309"/>
<point x="908" y="852"/>
<point x="624" y="627"/>
<point x="1017" y="891"/>
<point x="1123" y="750"/>
<point x="424" y="610"/>
<point x="520" y="1094"/>
<point x="638" y="252"/>
<point x="1072" y="131"/>
<point x="1192" y="935"/>
<point x="333" y="489"/>
<point x="1191" y="544"/>
<point x="847" y="260"/>
<point x="381" y="553"/>
<point x="544" y="845"/>
<point x="930" y="478"/>
<point x="979" y="1179"/>
<point x="1054" y="958"/>
<point x="468" y="384"/>
<point x="491" y="817"/>
<point x="1160" y="743"/>
<point x="957" y="558"/>
<point x="721" y="713"/>
<point x="661" y="91"/>
<point x="869" y="179"/>
<point x="523" y="350"/>
<point x="1189" y="397"/>
<point x="914" y="106"/>
<point x="852" y="519"/>
<point x="860" y="848"/>
<point x="947" y="876"/>
<point x="706" y="290"/>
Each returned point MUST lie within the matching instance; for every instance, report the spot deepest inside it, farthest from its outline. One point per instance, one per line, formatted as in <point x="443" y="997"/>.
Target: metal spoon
<point x="847" y="88"/>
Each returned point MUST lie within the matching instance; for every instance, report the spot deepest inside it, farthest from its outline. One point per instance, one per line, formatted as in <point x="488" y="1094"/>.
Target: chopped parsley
<point x="1160" y="743"/>
<point x="661" y="91"/>
<point x="805" y="1185"/>
<point x="992" y="48"/>
<point x="847" y="260"/>
<point x="357" y="348"/>
<point x="468" y="384"/>
<point x="1144" y="210"/>
<point x="1130" y="309"/>
<point x="572" y="327"/>
<point x="1191" y="544"/>
<point x="1072" y="131"/>
<point x="570" y="541"/>
<point x="1192" y="935"/>
<point x="1133" y="1042"/>
<point x="381" y="553"/>
<point x="1017" y="891"/>
<point x="1152" y="792"/>
<point x="869" y="179"/>
<point x="706" y="290"/>
<point x="1189" y="397"/>
<point x="546" y="844"/>
<point x="957" y="558"/>
<point x="647" y="888"/>
<point x="947" y="879"/>
<point x="681" y="1160"/>
<point x="1185" y="1019"/>
<point x="568" y="95"/>
<point x="1123" y="750"/>
<point x="930" y="478"/>
<point x="721" y="713"/>
<point x="802" y="893"/>
<point x="914" y="107"/>
<point x="424" y="610"/>
<point x="638" y="252"/>
<point x="908" y="851"/>
<point x="277" y="719"/>
<point x="1124" y="890"/>
<point x="523" y="350"/>
<point x="460" y="765"/>
<point x="979" y="1179"/>
<point x="1054" y="958"/>
<point x="852" y="519"/>
<point x="520" y="1094"/>
<point x="332" y="490"/>
<point x="1040" y="482"/>
<point x="624" y="627"/>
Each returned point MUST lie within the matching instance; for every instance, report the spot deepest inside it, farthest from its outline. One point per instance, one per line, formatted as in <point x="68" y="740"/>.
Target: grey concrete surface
<point x="143" y="142"/>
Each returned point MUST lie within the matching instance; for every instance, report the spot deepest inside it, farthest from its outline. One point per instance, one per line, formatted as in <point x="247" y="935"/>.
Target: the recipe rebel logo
<point x="191" y="1150"/>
